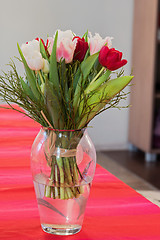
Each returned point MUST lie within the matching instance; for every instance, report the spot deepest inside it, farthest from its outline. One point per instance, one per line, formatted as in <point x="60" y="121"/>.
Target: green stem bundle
<point x="65" y="176"/>
<point x="64" y="179"/>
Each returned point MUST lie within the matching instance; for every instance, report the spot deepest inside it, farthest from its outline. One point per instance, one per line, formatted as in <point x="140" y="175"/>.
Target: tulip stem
<point x="98" y="74"/>
<point x="40" y="75"/>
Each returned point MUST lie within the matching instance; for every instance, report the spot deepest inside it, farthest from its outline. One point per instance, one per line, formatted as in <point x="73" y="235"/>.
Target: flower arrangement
<point x="68" y="81"/>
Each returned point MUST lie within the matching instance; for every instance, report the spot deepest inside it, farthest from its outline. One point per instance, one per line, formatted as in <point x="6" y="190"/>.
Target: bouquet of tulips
<point x="67" y="82"/>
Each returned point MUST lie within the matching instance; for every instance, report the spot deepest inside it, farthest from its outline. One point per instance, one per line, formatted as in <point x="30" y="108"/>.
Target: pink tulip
<point x="96" y="43"/>
<point x="65" y="46"/>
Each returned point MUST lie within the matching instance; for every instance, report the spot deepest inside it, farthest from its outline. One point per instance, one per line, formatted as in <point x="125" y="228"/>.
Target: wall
<point x="22" y="20"/>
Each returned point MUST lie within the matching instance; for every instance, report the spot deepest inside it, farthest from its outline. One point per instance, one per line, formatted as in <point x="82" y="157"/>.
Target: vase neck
<point x="63" y="139"/>
<point x="63" y="130"/>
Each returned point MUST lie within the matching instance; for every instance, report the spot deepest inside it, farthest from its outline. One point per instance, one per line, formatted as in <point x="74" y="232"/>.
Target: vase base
<point x="61" y="229"/>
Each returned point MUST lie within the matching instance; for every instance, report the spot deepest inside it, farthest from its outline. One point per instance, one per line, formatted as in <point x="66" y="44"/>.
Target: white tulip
<point x="31" y="52"/>
<point x="97" y="42"/>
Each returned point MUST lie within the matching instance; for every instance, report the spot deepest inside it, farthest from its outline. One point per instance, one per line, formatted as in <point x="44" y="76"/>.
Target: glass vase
<point x="63" y="165"/>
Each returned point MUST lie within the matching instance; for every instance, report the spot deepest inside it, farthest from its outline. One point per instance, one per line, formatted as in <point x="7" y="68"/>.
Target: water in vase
<point x="62" y="217"/>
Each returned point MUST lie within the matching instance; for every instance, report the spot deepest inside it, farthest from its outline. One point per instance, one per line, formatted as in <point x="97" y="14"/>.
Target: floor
<point x="135" y="162"/>
<point x="132" y="169"/>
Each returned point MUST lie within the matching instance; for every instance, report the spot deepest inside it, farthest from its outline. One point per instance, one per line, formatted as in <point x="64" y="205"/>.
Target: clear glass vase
<point x="63" y="165"/>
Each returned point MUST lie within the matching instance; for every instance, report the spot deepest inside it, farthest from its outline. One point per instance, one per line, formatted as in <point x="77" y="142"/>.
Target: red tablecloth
<point x="114" y="210"/>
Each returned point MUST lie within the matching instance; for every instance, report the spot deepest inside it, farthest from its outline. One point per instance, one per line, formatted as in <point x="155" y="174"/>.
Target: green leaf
<point x="62" y="71"/>
<point x="109" y="89"/>
<point x="53" y="105"/>
<point x="84" y="69"/>
<point x="53" y="74"/>
<point x="114" y="86"/>
<point x="87" y="55"/>
<point x="102" y="96"/>
<point x="30" y="75"/>
<point x="43" y="51"/>
<point x="76" y="78"/>
<point x="65" y="81"/>
<point x="85" y="36"/>
<point x="81" y="76"/>
<point x="93" y="86"/>
<point x="27" y="90"/>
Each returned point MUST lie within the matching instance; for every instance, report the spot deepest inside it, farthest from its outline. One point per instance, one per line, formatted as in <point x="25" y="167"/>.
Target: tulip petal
<point x="96" y="43"/>
<point x="111" y="58"/>
<point x="81" y="49"/>
<point x="117" y="65"/>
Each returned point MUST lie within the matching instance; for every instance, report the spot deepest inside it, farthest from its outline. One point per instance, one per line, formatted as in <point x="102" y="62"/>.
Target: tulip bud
<point x="31" y="52"/>
<point x="111" y="58"/>
<point x="42" y="87"/>
<point x="45" y="68"/>
<point x="81" y="49"/>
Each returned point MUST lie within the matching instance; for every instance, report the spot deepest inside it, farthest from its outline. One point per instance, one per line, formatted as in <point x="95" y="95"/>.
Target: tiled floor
<point x="133" y="180"/>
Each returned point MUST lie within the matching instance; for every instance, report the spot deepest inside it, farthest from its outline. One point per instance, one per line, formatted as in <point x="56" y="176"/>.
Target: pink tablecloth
<point x="114" y="210"/>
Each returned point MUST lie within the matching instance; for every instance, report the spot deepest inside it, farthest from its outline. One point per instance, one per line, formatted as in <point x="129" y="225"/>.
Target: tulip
<point x="45" y="68"/>
<point x="81" y="49"/>
<point x="30" y="46"/>
<point x="96" y="43"/>
<point x="65" y="46"/>
<point x="31" y="52"/>
<point x="111" y="58"/>
<point x="35" y="61"/>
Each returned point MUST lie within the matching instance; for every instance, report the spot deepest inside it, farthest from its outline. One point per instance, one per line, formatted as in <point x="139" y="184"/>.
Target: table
<point x="114" y="210"/>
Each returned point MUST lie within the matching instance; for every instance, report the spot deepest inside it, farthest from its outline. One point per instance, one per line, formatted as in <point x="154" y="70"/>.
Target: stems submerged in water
<point x="65" y="176"/>
<point x="65" y="183"/>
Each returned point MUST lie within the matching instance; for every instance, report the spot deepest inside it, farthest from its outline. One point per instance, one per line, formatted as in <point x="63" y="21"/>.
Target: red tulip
<point x="81" y="49"/>
<point x="111" y="58"/>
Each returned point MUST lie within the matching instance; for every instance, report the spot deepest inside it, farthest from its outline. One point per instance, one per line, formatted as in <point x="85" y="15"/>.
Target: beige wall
<point x="22" y="20"/>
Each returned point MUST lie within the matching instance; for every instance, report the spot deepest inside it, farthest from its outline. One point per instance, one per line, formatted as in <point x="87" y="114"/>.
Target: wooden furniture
<point x="145" y="95"/>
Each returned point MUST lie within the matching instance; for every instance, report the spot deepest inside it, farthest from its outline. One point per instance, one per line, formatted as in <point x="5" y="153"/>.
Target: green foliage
<point x="43" y="51"/>
<point x="108" y="90"/>
<point x="12" y="91"/>
<point x="85" y="36"/>
<point x="96" y="100"/>
<point x="69" y="96"/>
<point x="30" y="76"/>
<point x="53" y="72"/>
<point x="81" y="76"/>
<point x="95" y="84"/>
<point x="53" y="105"/>
<point x="27" y="90"/>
